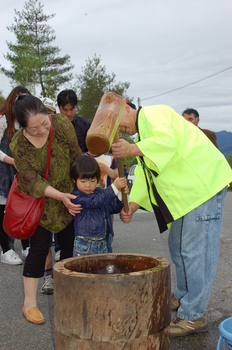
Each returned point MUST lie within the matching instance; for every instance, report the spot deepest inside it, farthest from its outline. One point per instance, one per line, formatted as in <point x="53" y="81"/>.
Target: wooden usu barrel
<point x="112" y="302"/>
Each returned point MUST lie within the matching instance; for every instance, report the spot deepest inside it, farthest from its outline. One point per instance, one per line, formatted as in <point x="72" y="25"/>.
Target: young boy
<point x="109" y="172"/>
<point x="94" y="223"/>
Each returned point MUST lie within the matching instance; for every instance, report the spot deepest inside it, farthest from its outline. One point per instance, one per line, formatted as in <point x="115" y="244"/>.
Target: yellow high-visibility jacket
<point x="190" y="168"/>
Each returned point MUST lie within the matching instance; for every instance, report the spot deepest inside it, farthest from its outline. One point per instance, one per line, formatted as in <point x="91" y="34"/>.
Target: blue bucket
<point x="225" y="329"/>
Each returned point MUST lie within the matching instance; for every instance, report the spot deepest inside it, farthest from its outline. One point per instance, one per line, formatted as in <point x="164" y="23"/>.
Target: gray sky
<point x="156" y="45"/>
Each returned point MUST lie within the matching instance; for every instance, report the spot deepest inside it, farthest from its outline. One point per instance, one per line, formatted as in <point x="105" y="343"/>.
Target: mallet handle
<point x="121" y="174"/>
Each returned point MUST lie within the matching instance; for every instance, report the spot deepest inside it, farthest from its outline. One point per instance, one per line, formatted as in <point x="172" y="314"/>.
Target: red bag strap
<point x="49" y="150"/>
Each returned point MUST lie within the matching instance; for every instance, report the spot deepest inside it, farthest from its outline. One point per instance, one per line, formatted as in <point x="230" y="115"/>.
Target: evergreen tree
<point x="2" y="99"/>
<point x="92" y="84"/>
<point x="34" y="61"/>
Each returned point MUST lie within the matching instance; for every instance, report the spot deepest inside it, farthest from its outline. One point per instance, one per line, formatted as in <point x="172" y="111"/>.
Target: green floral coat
<point x="31" y="165"/>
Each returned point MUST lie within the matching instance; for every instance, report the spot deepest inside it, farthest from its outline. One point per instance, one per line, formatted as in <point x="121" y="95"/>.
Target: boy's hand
<point x="126" y="190"/>
<point x="120" y="182"/>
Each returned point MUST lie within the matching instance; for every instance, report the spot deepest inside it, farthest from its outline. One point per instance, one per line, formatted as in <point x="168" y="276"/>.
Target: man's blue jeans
<point x="194" y="243"/>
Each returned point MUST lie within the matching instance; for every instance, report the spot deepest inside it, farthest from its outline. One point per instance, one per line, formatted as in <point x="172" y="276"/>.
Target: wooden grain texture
<point x="121" y="311"/>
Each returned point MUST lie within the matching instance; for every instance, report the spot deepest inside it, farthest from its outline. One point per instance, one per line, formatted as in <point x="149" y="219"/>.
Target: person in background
<point x="125" y="171"/>
<point x="192" y="116"/>
<point x="180" y="179"/>
<point x="108" y="167"/>
<point x="32" y="141"/>
<point x="8" y="127"/>
<point x="93" y="224"/>
<point x="67" y="103"/>
<point x="49" y="104"/>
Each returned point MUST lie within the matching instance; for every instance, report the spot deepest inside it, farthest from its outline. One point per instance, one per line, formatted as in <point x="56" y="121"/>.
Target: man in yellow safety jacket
<point x="184" y="177"/>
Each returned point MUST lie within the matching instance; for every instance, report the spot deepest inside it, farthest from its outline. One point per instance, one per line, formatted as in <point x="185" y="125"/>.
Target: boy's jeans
<point x="194" y="243"/>
<point x="86" y="246"/>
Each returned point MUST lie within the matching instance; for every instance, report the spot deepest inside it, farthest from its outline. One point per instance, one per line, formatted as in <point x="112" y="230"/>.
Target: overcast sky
<point x="155" y="45"/>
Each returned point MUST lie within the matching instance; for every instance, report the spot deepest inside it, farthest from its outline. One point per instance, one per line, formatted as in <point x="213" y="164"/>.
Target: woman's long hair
<point x="7" y="109"/>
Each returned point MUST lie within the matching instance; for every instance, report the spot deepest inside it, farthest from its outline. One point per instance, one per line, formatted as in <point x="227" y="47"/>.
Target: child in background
<point x="94" y="223"/>
<point x="108" y="167"/>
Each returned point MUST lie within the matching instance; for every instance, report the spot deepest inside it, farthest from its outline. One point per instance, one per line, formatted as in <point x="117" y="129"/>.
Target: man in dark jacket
<point x="67" y="103"/>
<point x="192" y="116"/>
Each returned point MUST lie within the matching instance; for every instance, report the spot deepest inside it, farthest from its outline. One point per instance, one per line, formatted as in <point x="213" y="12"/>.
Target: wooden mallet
<point x="104" y="130"/>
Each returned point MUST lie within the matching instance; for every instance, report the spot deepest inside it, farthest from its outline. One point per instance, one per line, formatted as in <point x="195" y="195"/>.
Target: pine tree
<point x="92" y="84"/>
<point x="2" y="99"/>
<point x="34" y="61"/>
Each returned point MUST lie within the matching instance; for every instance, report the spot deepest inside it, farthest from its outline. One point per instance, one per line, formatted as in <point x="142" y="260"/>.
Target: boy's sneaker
<point x="24" y="253"/>
<point x="57" y="256"/>
<point x="181" y="328"/>
<point x="174" y="303"/>
<point x="11" y="258"/>
<point x="47" y="287"/>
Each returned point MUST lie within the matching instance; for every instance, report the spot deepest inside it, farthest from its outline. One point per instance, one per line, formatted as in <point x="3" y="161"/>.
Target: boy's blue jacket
<point x="94" y="221"/>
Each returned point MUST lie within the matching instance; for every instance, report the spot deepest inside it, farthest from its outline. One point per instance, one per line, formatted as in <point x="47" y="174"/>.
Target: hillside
<point x="224" y="141"/>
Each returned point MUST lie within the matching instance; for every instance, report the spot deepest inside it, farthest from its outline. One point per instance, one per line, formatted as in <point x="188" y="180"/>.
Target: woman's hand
<point x="65" y="198"/>
<point x="72" y="208"/>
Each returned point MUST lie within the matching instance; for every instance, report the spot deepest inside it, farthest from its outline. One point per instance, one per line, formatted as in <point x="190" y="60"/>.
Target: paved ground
<point x="142" y="237"/>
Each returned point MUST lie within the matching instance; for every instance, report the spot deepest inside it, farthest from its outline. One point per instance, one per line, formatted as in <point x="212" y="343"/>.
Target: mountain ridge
<point x="224" y="141"/>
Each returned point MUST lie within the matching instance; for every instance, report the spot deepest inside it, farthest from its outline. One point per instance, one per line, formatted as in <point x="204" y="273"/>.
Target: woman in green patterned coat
<point x="29" y="147"/>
